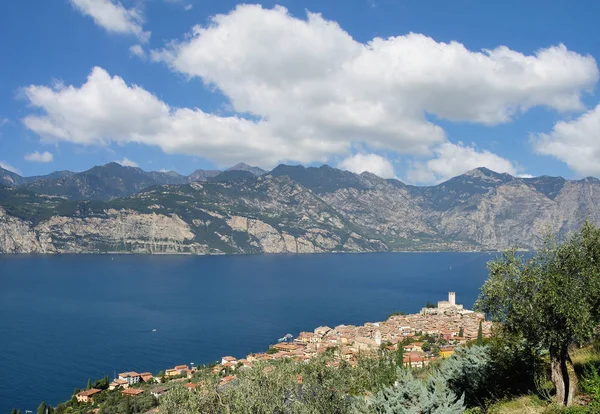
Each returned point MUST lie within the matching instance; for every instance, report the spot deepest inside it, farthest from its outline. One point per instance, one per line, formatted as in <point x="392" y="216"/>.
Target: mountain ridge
<point x="291" y="209"/>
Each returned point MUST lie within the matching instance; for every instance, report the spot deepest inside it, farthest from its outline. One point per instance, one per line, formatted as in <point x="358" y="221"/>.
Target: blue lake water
<point x="64" y="319"/>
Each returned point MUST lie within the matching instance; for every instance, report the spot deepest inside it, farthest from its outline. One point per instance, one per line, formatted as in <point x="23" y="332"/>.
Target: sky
<point x="417" y="90"/>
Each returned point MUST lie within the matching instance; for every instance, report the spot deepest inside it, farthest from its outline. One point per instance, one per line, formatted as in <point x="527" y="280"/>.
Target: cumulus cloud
<point x="7" y="166"/>
<point x="106" y="110"/>
<point x="112" y="16"/>
<point x="576" y="142"/>
<point x="126" y="162"/>
<point x="305" y="90"/>
<point x="138" y="50"/>
<point x="451" y="160"/>
<point x="39" y="156"/>
<point x="373" y="163"/>
<point x="276" y="66"/>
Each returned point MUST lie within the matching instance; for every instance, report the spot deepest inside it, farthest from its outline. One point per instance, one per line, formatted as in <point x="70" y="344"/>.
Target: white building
<point x="131" y="377"/>
<point x="444" y="305"/>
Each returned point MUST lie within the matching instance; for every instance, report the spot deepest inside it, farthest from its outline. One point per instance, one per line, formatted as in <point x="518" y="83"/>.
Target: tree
<point x="400" y="355"/>
<point x="552" y="300"/>
<point x="42" y="408"/>
<point x="14" y="411"/>
<point x="89" y="384"/>
<point x="408" y="395"/>
<point x="480" y="333"/>
<point x="461" y="332"/>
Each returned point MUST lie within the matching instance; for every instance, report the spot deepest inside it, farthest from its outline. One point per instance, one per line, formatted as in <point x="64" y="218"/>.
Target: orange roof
<point x="128" y="374"/>
<point x="190" y="385"/>
<point x="181" y="367"/>
<point x="89" y="392"/>
<point x="226" y="379"/>
<point x="132" y="391"/>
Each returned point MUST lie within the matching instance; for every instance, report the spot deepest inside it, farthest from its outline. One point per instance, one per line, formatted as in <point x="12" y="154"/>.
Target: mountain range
<point x="291" y="209"/>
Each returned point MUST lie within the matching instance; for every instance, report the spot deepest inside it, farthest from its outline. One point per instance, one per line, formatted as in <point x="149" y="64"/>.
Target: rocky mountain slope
<point x="111" y="180"/>
<point x="291" y="209"/>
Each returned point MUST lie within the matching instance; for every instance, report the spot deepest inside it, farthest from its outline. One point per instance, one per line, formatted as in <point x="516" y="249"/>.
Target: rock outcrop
<point x="302" y="210"/>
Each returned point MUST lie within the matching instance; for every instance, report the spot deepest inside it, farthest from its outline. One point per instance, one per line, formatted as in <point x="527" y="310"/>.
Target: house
<point x="226" y="380"/>
<point x="87" y="395"/>
<point x="131" y="377"/>
<point x="446" y="351"/>
<point x="227" y="359"/>
<point x="132" y="392"/>
<point x="118" y="383"/>
<point x="191" y="386"/>
<point x="159" y="391"/>
<point x="146" y="376"/>
<point x="178" y="370"/>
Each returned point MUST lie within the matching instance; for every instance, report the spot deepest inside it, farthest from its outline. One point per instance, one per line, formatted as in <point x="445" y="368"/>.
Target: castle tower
<point x="452" y="298"/>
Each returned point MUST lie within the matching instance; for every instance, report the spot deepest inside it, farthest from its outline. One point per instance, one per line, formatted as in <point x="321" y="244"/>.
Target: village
<point x="427" y="336"/>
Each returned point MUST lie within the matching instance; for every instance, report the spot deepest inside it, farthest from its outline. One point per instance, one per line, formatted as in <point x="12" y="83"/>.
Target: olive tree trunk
<point x="563" y="375"/>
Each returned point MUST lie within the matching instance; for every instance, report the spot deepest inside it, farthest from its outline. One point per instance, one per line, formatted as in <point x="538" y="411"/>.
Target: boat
<point x="153" y="330"/>
<point x="286" y="338"/>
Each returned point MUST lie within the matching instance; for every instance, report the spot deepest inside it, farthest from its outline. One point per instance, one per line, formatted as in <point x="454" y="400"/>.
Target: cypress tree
<point x="42" y="408"/>
<point x="480" y="334"/>
<point x="461" y="332"/>
<point x="400" y="355"/>
<point x="89" y="384"/>
<point x="14" y="411"/>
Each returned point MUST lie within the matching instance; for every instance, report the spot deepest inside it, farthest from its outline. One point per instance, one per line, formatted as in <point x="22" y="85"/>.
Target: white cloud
<point x="188" y="7"/>
<point x="525" y="176"/>
<point x="106" y="110"/>
<point x="292" y="71"/>
<point x="113" y="17"/>
<point x="305" y="91"/>
<point x="451" y="160"/>
<point x="9" y="167"/>
<point x="126" y="162"/>
<point x="576" y="142"/>
<point x="3" y="121"/>
<point x="373" y="163"/>
<point x="39" y="156"/>
<point x="138" y="50"/>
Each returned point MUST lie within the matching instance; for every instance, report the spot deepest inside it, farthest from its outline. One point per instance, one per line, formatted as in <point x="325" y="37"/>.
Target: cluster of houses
<point x="125" y="380"/>
<point x="448" y="321"/>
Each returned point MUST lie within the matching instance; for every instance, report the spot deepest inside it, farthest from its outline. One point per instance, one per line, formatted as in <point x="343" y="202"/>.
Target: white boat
<point x="153" y="330"/>
<point x="286" y="338"/>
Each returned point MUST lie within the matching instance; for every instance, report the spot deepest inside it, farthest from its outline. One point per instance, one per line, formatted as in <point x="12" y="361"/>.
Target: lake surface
<point x="64" y="319"/>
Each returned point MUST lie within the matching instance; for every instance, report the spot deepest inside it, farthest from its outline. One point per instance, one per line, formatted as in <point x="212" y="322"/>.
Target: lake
<point x="65" y="319"/>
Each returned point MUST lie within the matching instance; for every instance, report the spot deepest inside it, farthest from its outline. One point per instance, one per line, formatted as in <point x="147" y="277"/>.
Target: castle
<point x="445" y="306"/>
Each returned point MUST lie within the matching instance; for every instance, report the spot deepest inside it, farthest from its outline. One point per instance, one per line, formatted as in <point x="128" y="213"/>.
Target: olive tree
<point x="551" y="299"/>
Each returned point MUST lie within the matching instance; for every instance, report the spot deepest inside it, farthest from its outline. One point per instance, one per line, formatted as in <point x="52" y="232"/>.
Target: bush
<point x="412" y="396"/>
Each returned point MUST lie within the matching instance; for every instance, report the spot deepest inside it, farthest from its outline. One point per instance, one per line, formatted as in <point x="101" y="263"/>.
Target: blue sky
<point x="401" y="88"/>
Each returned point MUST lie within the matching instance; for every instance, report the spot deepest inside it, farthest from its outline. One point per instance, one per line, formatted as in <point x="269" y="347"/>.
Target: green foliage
<point x="400" y="356"/>
<point x="42" y="408"/>
<point x="551" y="300"/>
<point x="466" y="373"/>
<point x="480" y="334"/>
<point x="430" y="305"/>
<point x="271" y="351"/>
<point x="461" y="332"/>
<point x="409" y="395"/>
<point x="590" y="384"/>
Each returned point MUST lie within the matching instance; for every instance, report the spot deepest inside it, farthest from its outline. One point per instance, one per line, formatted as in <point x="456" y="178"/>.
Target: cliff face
<point x="302" y="210"/>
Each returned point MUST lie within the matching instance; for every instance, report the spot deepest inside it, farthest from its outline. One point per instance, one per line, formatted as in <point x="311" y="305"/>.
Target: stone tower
<point x="452" y="298"/>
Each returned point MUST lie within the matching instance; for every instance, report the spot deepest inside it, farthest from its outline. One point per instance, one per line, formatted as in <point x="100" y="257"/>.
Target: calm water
<point x="64" y="319"/>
